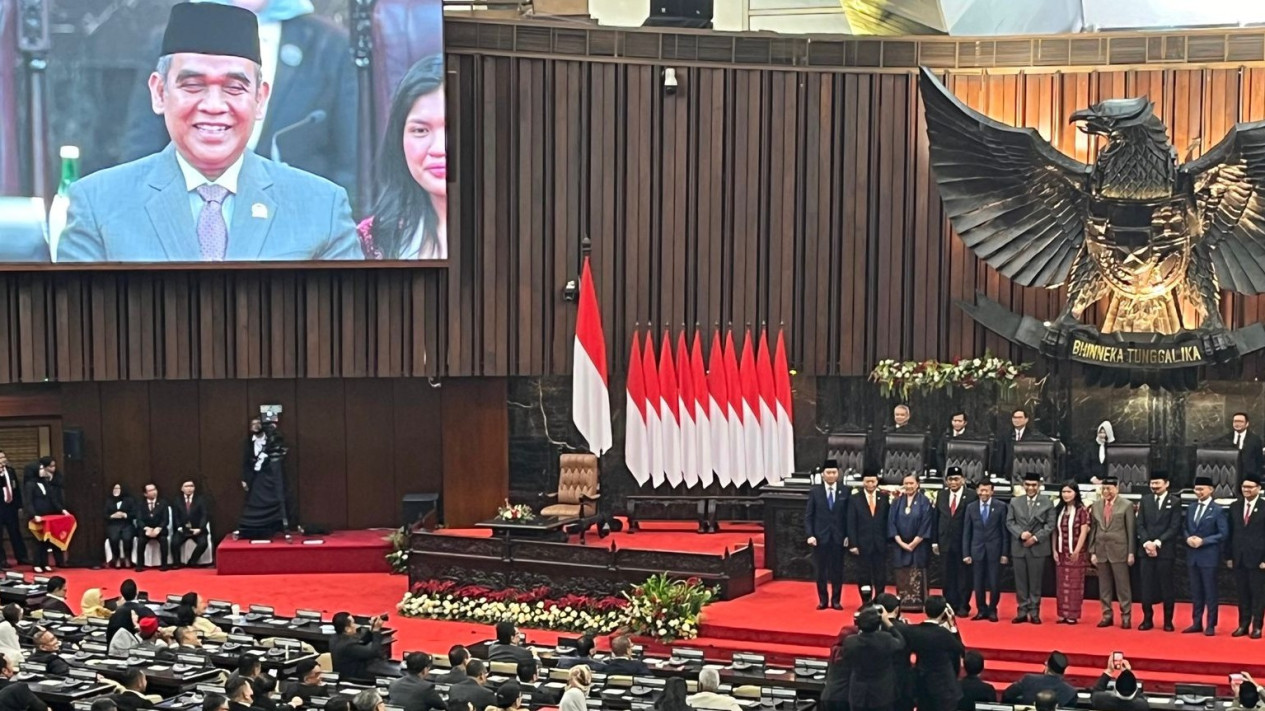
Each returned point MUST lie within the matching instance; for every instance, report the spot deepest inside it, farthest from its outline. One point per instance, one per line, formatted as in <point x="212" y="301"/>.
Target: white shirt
<point x="1238" y="440"/>
<point x="194" y="180"/>
<point x="269" y="48"/>
<point x="260" y="440"/>
<point x="1019" y="434"/>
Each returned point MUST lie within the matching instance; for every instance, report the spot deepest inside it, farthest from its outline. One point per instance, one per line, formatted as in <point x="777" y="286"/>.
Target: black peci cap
<point x="210" y="28"/>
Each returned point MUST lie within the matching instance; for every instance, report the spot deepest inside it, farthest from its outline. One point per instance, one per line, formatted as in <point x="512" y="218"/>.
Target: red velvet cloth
<point x="57" y="529"/>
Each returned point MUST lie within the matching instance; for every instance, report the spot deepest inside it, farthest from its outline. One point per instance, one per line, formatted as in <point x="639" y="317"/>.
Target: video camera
<point x="275" y="443"/>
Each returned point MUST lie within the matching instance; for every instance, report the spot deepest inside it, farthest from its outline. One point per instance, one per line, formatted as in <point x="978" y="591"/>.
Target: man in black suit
<point x="509" y="645"/>
<point x="974" y="689"/>
<point x="10" y="506"/>
<point x="309" y="684"/>
<point x="1024" y="691"/>
<point x="985" y="543"/>
<point x="133" y="696"/>
<point x="1159" y="528"/>
<point x="872" y="655"/>
<point x="458" y="658"/>
<point x="1020" y="431"/>
<point x="253" y="456"/>
<point x="951" y="507"/>
<point x="241" y="694"/>
<point x="826" y="525"/>
<point x="939" y="654"/>
<point x="191" y="518"/>
<point x="47" y="655"/>
<point x="16" y="695"/>
<point x="867" y="534"/>
<point x="1247" y="442"/>
<point x="1124" y="695"/>
<point x="153" y="523"/>
<point x="621" y="661"/>
<point x="1247" y="556"/>
<point x="473" y="689"/>
<point x="353" y="652"/>
<point x="957" y="429"/>
<point x="411" y="691"/>
<point x="55" y="596"/>
<point x="528" y="675"/>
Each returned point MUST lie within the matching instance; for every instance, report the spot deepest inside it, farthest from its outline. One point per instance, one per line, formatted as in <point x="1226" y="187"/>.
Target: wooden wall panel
<point x="370" y="472"/>
<point x="475" y="427"/>
<point x="223" y="416"/>
<point x="793" y="197"/>
<point x="323" y="461"/>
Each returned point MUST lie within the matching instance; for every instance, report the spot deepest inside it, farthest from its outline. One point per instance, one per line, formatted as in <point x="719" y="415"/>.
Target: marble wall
<point x="1173" y="423"/>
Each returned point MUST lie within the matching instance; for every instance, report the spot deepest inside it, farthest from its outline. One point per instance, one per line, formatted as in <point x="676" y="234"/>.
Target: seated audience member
<point x="241" y="694"/>
<point x="120" y="526"/>
<point x="528" y="675"/>
<point x="1047" y="700"/>
<point x="509" y="697"/>
<point x="368" y="700"/>
<point x="92" y="606"/>
<point x="673" y="697"/>
<point x="507" y="647"/>
<point x="133" y="696"/>
<point x="584" y="647"/>
<point x="187" y="639"/>
<point x="191" y="517"/>
<point x="10" y="647"/>
<point x="16" y="695"/>
<point x="1247" y="695"/>
<point x="126" y="636"/>
<point x="411" y="691"/>
<point x="248" y="667"/>
<point x="152" y="638"/>
<point x="213" y="702"/>
<point x="354" y="651"/>
<point x="47" y="657"/>
<point x="309" y="683"/>
<point x="1024" y="691"/>
<point x="263" y="698"/>
<point x="579" y="681"/>
<point x="192" y="612"/>
<point x="104" y="703"/>
<point x="973" y="687"/>
<point x="338" y="703"/>
<point x="621" y="662"/>
<point x="123" y="614"/>
<point x="709" y="696"/>
<point x="55" y="596"/>
<point x="474" y="687"/>
<point x="458" y="657"/>
<point x="1124" y="695"/>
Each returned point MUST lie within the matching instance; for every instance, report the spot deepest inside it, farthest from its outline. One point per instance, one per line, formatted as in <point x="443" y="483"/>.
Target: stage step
<point x="762" y="575"/>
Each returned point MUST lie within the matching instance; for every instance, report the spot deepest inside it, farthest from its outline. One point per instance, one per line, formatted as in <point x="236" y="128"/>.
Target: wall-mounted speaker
<point x="72" y="444"/>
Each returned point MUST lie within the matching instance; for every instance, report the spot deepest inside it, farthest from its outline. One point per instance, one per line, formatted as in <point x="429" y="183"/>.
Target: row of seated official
<point x="181" y="530"/>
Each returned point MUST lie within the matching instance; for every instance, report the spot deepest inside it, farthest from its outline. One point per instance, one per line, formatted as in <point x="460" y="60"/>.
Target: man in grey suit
<point x="1030" y="521"/>
<point x="411" y="691"/>
<point x="206" y="197"/>
<point x="1111" y="542"/>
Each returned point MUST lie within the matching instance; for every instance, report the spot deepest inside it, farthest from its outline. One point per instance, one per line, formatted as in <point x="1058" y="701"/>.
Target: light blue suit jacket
<point x="140" y="212"/>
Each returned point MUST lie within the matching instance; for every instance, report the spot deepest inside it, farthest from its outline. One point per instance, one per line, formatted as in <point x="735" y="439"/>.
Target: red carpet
<point x="338" y="552"/>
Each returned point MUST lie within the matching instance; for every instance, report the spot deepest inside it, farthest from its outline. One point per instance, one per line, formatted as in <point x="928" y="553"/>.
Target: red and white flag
<point x="784" y="416"/>
<point x="702" y="424"/>
<point x="768" y="404"/>
<point x="689" y="435"/>
<point x="654" y="423"/>
<point x="669" y="412"/>
<point x="718" y="411"/>
<point x="636" y="446"/>
<point x="590" y="399"/>
<point x="752" y="429"/>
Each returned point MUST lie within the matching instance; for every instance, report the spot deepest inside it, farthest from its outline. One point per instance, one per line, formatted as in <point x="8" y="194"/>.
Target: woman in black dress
<point x="1095" y="466"/>
<point x="120" y="512"/>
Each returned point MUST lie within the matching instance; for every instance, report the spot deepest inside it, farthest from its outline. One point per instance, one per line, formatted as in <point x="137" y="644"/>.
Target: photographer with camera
<point x="269" y="508"/>
<point x="357" y="653"/>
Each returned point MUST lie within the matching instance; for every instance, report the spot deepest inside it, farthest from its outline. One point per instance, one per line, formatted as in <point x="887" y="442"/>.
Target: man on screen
<point x="206" y="197"/>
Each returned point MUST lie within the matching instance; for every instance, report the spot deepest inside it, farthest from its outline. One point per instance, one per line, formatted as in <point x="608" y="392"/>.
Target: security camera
<point x="669" y="81"/>
<point x="571" y="291"/>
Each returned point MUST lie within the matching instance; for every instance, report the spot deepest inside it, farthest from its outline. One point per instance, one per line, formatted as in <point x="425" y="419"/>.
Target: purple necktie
<point x="212" y="232"/>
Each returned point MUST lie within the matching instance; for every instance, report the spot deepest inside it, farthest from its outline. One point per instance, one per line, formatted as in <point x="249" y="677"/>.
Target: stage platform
<point x="338" y="552"/>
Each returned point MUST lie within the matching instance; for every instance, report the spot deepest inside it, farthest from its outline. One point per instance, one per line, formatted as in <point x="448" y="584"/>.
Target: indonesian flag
<point x="590" y="400"/>
<point x="702" y="404"/>
<point x="752" y="431"/>
<point x="669" y="412"/>
<point x="636" y="446"/>
<point x="654" y="424"/>
<point x="689" y="435"/>
<point x="738" y="467"/>
<point x="783" y="416"/>
<point x="767" y="403"/>
<point x="718" y="411"/>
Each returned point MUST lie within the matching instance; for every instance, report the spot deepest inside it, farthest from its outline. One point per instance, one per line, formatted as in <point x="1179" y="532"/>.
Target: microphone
<point x="315" y="117"/>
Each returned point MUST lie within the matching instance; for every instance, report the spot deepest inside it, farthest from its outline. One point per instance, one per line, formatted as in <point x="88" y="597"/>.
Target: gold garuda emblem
<point x="1157" y="239"/>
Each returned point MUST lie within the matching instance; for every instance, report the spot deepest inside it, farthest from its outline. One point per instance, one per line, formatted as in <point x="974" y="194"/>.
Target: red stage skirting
<point x="340" y="552"/>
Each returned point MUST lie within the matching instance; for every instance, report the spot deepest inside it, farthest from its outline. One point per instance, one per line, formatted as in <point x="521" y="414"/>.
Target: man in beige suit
<point x="1111" y="551"/>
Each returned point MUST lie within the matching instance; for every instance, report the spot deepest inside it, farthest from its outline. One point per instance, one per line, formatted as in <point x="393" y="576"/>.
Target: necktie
<point x="1018" y="433"/>
<point x="871" y="497"/>
<point x="983" y="513"/>
<point x="1247" y="513"/>
<point x="151" y="507"/>
<point x="830" y="498"/>
<point x="1238" y="440"/>
<point x="1199" y="515"/>
<point x="212" y="232"/>
<point x="953" y="504"/>
<point x="8" y="490"/>
<point x="1106" y="512"/>
<point x="188" y="504"/>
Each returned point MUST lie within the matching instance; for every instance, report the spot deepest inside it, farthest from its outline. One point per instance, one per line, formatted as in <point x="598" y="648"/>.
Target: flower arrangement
<point x="902" y="378"/>
<point x="398" y="557"/>
<point x="667" y="609"/>
<point x="514" y="512"/>
<point x="539" y="608"/>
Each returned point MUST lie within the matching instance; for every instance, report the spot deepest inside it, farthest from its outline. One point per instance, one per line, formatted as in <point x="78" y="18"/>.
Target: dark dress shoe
<point x="1256" y="634"/>
<point x="1168" y="627"/>
<point x="1019" y="620"/>
<point x="1146" y="625"/>
<point x="836" y="606"/>
<point x="1210" y="632"/>
<point x="992" y="617"/>
<point x="1125" y="625"/>
<point x="1193" y="629"/>
<point x="1104" y="622"/>
<point x="1034" y="619"/>
<point x="821" y="606"/>
<point x="980" y="616"/>
<point x="1240" y="632"/>
<point x="164" y="568"/>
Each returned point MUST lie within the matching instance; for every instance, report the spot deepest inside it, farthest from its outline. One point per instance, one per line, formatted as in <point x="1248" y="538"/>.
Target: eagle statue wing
<point x="1014" y="199"/>
<point x="1229" y="189"/>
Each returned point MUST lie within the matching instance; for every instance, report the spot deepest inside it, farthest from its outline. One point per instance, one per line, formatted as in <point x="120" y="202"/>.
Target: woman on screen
<point x="410" y="218"/>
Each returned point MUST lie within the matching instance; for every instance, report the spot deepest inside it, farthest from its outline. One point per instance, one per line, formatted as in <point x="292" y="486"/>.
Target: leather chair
<point x="969" y="455"/>
<point x="1038" y="457"/>
<point x="1221" y="464"/>
<point x="10" y="100"/>
<point x="1130" y="464"/>
<point x="848" y="449"/>
<point x="903" y="454"/>
<point x="577" y="492"/>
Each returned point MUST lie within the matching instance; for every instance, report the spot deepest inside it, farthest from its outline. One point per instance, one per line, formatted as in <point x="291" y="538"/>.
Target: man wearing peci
<point x="1205" y="532"/>
<point x="826" y="525"/>
<point x="1030" y="522"/>
<point x="206" y="197"/>
<point x="867" y="533"/>
<point x="985" y="545"/>
<point x="951" y="508"/>
<point x="1159" y="526"/>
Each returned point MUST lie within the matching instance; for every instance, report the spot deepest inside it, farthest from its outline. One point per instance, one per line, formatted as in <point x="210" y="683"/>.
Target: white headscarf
<point x="1104" y="438"/>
